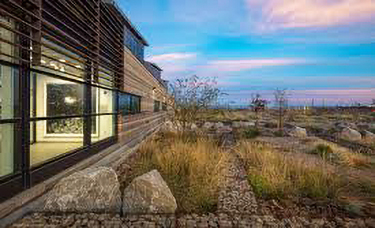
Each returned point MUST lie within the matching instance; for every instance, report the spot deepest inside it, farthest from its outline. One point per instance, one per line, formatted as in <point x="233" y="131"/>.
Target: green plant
<point x="190" y="165"/>
<point x="279" y="133"/>
<point x="372" y="129"/>
<point x="274" y="175"/>
<point x="251" y="133"/>
<point x="373" y="114"/>
<point x="324" y="151"/>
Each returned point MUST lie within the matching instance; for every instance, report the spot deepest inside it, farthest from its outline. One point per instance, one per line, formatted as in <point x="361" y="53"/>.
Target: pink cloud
<point x="276" y="14"/>
<point x="171" y="57"/>
<point x="248" y="64"/>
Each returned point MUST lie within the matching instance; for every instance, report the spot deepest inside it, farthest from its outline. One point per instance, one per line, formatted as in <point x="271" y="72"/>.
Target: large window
<point x="57" y="108"/>
<point x="103" y="120"/>
<point x="156" y="106"/>
<point x="7" y="100"/>
<point x="134" y="44"/>
<point x="164" y="106"/>
<point x="129" y="104"/>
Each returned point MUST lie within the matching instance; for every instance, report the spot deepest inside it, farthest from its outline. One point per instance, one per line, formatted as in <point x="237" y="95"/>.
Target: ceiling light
<point x="70" y="100"/>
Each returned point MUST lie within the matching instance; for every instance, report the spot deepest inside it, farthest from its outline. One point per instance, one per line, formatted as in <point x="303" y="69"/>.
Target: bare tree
<point x="281" y="101"/>
<point x="190" y="96"/>
<point x="258" y="104"/>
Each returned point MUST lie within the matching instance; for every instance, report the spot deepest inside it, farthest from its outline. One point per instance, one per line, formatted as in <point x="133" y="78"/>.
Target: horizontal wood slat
<point x="89" y="32"/>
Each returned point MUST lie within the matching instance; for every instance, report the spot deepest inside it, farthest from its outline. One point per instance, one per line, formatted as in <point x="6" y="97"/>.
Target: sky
<point x="316" y="49"/>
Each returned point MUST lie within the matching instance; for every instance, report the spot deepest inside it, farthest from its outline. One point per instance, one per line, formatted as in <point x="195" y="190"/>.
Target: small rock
<point x="298" y="132"/>
<point x="208" y="125"/>
<point x="350" y="134"/>
<point x="369" y="135"/>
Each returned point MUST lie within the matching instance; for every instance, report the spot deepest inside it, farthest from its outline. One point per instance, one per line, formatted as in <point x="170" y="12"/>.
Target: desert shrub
<point x="340" y="155"/>
<point x="276" y="175"/>
<point x="353" y="159"/>
<point x="331" y="131"/>
<point x="270" y="125"/>
<point x="278" y="133"/>
<point x="365" y="185"/>
<point x="324" y="151"/>
<point x="191" y="168"/>
<point x="251" y="133"/>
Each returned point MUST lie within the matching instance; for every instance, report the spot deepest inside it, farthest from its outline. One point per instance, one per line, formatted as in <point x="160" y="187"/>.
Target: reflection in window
<point x="164" y="106"/>
<point x="6" y="48"/>
<point x="129" y="104"/>
<point x="57" y="60"/>
<point x="156" y="106"/>
<point x="134" y="44"/>
<point x="52" y="97"/>
<point x="6" y="92"/>
<point x="6" y="149"/>
<point x="63" y="139"/>
<point x="102" y="103"/>
<point x="106" y="128"/>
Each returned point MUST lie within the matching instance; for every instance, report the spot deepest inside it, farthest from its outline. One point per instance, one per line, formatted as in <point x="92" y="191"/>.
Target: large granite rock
<point x="89" y="190"/>
<point x="350" y="134"/>
<point x="148" y="194"/>
<point x="298" y="132"/>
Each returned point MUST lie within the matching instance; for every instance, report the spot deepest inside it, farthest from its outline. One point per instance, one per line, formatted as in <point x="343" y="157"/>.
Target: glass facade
<point x="164" y="106"/>
<point x="129" y="104"/>
<point x="61" y="72"/>
<point x="8" y="99"/>
<point x="156" y="106"/>
<point x="6" y="149"/>
<point x="134" y="44"/>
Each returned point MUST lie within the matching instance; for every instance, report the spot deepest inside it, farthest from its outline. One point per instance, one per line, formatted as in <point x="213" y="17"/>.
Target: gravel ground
<point x="237" y="207"/>
<point x="236" y="196"/>
<point x="224" y="220"/>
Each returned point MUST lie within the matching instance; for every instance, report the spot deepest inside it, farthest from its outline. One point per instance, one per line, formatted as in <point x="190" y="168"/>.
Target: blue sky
<point x="321" y="49"/>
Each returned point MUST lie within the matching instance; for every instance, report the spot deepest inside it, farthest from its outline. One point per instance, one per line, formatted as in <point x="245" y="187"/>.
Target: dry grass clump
<point x="190" y="166"/>
<point x="344" y="156"/>
<point x="277" y="175"/>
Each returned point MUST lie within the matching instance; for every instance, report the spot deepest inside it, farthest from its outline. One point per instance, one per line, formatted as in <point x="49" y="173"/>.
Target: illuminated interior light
<point x="62" y="69"/>
<point x="42" y="61"/>
<point x="62" y="60"/>
<point x="70" y="100"/>
<point x="78" y="66"/>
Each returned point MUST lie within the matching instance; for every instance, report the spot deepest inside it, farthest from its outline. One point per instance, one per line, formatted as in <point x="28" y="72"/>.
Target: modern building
<point x="73" y="82"/>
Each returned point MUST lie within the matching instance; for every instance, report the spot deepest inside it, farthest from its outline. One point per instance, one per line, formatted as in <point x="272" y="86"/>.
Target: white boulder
<point x="89" y="190"/>
<point x="298" y="132"/>
<point x="148" y="194"/>
<point x="350" y="134"/>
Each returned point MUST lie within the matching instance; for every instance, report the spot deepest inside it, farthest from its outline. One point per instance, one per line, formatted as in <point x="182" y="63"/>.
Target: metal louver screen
<point x="81" y="39"/>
